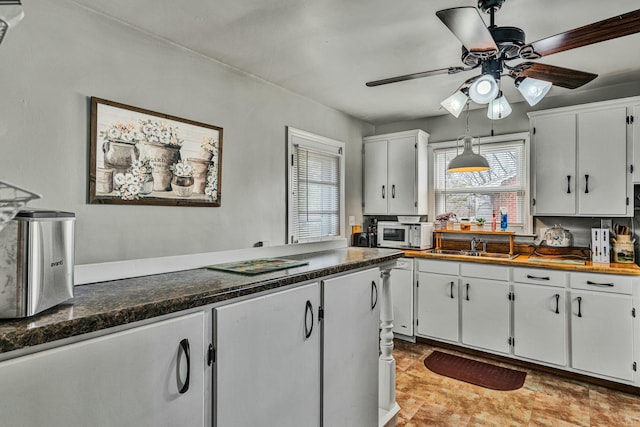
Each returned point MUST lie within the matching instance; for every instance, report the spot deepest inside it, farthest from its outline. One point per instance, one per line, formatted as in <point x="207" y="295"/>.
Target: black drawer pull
<point x="451" y="290"/>
<point x="467" y="292"/>
<point x="374" y="291"/>
<point x="393" y="191"/>
<point x="608" y="285"/>
<point x="579" y="306"/>
<point x="308" y="308"/>
<point x="538" y="277"/>
<point x="586" y="186"/>
<point x="184" y="349"/>
<point x="383" y="191"/>
<point x="557" y="303"/>
<point x="568" y="184"/>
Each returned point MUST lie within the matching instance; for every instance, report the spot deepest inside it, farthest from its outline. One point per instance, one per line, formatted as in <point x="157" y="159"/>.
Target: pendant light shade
<point x="484" y="89"/>
<point x="455" y="103"/>
<point x="499" y="108"/>
<point x="533" y="90"/>
<point x="468" y="161"/>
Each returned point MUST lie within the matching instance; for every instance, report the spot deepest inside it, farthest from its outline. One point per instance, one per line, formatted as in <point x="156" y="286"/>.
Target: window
<point x="316" y="187"/>
<point x="480" y="194"/>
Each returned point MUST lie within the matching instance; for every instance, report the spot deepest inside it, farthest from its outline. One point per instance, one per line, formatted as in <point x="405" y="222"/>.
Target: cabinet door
<point x="485" y="314"/>
<point x="375" y="177"/>
<point x="130" y="378"/>
<point x="351" y="323"/>
<point x="540" y="323"/>
<point x="602" y="334"/>
<point x="634" y="113"/>
<point x="554" y="159"/>
<point x="402" y="297"/>
<point x="438" y="306"/>
<point x="602" y="162"/>
<point x="401" y="175"/>
<point x="267" y="369"/>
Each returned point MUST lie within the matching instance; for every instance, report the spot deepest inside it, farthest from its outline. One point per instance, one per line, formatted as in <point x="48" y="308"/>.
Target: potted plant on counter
<point x="480" y="223"/>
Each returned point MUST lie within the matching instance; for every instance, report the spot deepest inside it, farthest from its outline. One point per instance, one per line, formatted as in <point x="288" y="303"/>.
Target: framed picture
<point x="143" y="157"/>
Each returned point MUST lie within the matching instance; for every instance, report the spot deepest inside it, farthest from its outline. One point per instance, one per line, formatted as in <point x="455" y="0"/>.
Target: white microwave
<point x="417" y="235"/>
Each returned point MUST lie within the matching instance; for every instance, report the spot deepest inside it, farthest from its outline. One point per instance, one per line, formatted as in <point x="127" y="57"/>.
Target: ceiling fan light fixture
<point x="455" y="103"/>
<point x="533" y="90"/>
<point x="484" y="89"/>
<point x="468" y="161"/>
<point x="499" y="108"/>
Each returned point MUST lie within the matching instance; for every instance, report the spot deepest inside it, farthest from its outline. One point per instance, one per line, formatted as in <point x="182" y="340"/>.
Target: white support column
<point x="386" y="364"/>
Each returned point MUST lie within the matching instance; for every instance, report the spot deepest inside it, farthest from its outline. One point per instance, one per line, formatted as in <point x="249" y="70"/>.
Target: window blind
<point x="480" y="194"/>
<point x="316" y="190"/>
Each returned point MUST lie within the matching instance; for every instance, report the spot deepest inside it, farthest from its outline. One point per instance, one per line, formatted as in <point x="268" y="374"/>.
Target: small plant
<point x="182" y="168"/>
<point x="446" y="216"/>
<point x="480" y="220"/>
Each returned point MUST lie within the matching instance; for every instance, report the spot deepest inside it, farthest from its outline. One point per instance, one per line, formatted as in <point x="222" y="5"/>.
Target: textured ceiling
<point x="327" y="49"/>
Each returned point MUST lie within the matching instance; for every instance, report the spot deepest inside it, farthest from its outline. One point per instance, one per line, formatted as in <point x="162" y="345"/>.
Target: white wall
<point x="61" y="54"/>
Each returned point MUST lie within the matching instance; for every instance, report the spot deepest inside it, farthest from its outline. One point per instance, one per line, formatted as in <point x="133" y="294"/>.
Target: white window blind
<point x="480" y="194"/>
<point x="316" y="193"/>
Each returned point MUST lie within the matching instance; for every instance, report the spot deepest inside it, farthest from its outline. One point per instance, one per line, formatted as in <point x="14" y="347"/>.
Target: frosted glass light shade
<point x="483" y="89"/>
<point x="499" y="108"/>
<point x="468" y="161"/>
<point x="10" y="14"/>
<point x="533" y="90"/>
<point x="455" y="103"/>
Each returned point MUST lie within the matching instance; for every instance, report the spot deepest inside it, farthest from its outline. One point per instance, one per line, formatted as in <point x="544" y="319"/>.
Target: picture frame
<point x="143" y="157"/>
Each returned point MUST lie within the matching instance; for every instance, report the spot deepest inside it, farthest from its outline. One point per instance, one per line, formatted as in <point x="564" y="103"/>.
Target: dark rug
<point x="474" y="372"/>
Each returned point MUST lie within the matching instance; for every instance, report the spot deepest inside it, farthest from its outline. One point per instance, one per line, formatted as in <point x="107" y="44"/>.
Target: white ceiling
<point x="327" y="49"/>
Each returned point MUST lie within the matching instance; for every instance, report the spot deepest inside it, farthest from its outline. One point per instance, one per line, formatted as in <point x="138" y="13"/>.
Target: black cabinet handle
<point x="467" y="298"/>
<point x="184" y="349"/>
<point x="537" y="277"/>
<point x="557" y="303"/>
<point x="383" y="191"/>
<point x="308" y="309"/>
<point x="586" y="185"/>
<point x="451" y="290"/>
<point x="568" y="184"/>
<point x="393" y="191"/>
<point x="374" y="290"/>
<point x="579" y="306"/>
<point x="608" y="285"/>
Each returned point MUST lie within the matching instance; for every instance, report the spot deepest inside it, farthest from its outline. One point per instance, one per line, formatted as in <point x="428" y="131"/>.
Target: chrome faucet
<point x="474" y="245"/>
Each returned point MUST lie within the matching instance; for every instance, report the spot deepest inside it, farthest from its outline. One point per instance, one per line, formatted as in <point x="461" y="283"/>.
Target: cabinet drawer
<point x="538" y="276"/>
<point x="404" y="263"/>
<point x="602" y="282"/>
<point x="439" y="267"/>
<point x="484" y="271"/>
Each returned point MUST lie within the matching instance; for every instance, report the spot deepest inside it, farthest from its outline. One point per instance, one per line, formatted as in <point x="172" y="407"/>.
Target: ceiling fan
<point x="490" y="48"/>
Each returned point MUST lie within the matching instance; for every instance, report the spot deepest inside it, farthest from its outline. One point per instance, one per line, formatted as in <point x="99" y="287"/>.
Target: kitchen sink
<point x="468" y="253"/>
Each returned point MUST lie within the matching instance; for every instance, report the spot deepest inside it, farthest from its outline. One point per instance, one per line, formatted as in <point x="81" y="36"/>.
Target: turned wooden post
<point x="386" y="364"/>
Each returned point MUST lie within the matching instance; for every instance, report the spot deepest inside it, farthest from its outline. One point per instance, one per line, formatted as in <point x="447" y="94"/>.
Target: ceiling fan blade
<point x="617" y="26"/>
<point x="450" y="70"/>
<point x="467" y="25"/>
<point x="559" y="76"/>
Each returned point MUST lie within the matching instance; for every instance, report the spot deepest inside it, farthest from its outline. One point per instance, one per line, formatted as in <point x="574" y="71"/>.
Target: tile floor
<point x="429" y="399"/>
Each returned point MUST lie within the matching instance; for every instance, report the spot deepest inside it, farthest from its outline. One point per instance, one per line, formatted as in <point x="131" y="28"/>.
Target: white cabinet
<point x="633" y="119"/>
<point x="401" y="280"/>
<point x="581" y="161"/>
<point x="540" y="315"/>
<point x="267" y="369"/>
<point x="395" y="173"/>
<point x="602" y="325"/>
<point x="139" y="377"/>
<point x="351" y="305"/>
<point x="438" y="312"/>
<point x="485" y="313"/>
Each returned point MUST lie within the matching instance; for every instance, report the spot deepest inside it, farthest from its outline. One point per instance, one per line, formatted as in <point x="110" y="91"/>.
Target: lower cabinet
<point x="540" y="323"/>
<point x="401" y="279"/>
<point x="267" y="369"/>
<point x="147" y="376"/>
<point x="300" y="356"/>
<point x="485" y="313"/>
<point x="438" y="306"/>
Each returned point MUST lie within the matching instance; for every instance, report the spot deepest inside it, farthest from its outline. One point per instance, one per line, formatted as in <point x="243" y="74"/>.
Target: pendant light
<point x="468" y="161"/>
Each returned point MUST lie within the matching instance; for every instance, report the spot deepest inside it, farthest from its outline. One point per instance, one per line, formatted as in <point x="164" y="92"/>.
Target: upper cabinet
<point x="581" y="160"/>
<point x="395" y="173"/>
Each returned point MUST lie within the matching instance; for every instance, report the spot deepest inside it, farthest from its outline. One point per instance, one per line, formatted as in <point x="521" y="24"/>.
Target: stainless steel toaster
<point x="36" y="262"/>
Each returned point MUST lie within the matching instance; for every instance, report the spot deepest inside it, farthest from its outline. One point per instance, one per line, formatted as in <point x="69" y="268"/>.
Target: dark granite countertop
<point x="107" y="304"/>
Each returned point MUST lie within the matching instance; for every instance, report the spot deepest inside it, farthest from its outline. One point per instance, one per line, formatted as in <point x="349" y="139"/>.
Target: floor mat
<point x="474" y="372"/>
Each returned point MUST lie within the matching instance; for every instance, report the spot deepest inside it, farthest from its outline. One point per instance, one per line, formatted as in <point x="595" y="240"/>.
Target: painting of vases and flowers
<point x="139" y="156"/>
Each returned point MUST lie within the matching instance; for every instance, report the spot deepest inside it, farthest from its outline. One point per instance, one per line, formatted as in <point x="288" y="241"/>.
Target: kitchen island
<point x="168" y="349"/>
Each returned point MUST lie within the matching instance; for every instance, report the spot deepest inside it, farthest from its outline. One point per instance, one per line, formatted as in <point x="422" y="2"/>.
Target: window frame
<point x="527" y="225"/>
<point x="320" y="144"/>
